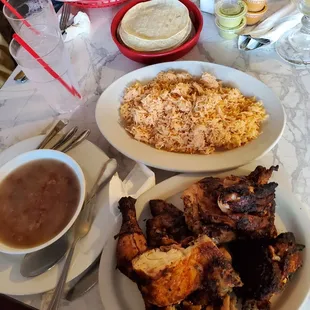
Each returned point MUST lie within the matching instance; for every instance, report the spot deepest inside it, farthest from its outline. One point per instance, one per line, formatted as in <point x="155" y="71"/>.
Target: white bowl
<point x="28" y="157"/>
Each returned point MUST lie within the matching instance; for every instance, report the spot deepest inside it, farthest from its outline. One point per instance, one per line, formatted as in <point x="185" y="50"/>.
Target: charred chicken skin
<point x="213" y="292"/>
<point x="265" y="267"/>
<point x="228" y="303"/>
<point x="256" y="305"/>
<point x="232" y="207"/>
<point x="167" y="225"/>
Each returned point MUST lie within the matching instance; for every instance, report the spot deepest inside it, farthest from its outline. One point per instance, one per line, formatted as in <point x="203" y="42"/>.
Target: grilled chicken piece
<point x="243" y="198"/>
<point x="159" y="207"/>
<point x="153" y="307"/>
<point x="218" y="282"/>
<point x="227" y="303"/>
<point x="244" y="205"/>
<point x="219" y="233"/>
<point x="169" y="274"/>
<point x="167" y="226"/>
<point x="131" y="241"/>
<point x="189" y="306"/>
<point x="265" y="267"/>
<point x="261" y="175"/>
<point x="256" y="305"/>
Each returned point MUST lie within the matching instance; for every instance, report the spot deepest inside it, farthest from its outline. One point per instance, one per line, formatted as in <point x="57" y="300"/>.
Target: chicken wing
<point x="261" y="175"/>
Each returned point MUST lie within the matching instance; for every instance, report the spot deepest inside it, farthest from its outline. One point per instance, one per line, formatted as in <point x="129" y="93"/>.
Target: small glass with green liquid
<point x="231" y="8"/>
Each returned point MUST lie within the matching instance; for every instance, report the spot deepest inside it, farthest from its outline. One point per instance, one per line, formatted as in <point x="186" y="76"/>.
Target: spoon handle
<point x="75" y="142"/>
<point x="55" y="302"/>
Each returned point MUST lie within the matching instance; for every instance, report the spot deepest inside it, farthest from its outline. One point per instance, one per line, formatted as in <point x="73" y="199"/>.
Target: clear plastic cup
<point x="48" y="44"/>
<point x="34" y="11"/>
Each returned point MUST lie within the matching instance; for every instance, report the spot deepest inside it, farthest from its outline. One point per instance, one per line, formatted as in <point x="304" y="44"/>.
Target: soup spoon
<point x="36" y="263"/>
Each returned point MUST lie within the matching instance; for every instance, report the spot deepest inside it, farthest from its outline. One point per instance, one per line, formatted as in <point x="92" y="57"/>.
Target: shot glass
<point x="48" y="44"/>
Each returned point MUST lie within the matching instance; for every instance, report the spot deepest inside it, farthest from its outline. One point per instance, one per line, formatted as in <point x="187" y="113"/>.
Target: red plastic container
<point x="94" y="4"/>
<point x="156" y="57"/>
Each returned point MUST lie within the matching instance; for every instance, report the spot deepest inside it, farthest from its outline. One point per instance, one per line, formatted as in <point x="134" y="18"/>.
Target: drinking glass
<point x="34" y="11"/>
<point x="48" y="44"/>
<point x="294" y="45"/>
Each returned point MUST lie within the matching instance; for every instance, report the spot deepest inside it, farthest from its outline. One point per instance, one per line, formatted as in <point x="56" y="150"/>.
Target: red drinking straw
<point x="56" y="76"/>
<point x="23" y="20"/>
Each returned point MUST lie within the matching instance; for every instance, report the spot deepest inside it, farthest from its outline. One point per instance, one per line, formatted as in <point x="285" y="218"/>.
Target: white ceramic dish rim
<point x="107" y="118"/>
<point x="28" y="157"/>
<point x="111" y="295"/>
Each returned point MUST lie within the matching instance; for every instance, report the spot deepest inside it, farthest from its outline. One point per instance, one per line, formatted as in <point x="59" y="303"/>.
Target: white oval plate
<point x="107" y="117"/>
<point x="89" y="157"/>
<point x="118" y="292"/>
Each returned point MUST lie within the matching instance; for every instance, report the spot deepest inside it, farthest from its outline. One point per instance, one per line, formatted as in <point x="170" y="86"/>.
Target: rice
<point x="179" y="113"/>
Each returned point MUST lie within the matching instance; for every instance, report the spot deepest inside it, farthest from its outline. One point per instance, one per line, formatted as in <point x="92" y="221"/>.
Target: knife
<point x="86" y="282"/>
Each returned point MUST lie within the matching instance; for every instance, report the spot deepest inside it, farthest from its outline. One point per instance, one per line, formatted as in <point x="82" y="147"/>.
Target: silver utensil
<point x="65" y="138"/>
<point x="90" y="276"/>
<point x="64" y="17"/>
<point x="53" y="132"/>
<point x="86" y="282"/>
<point x="20" y="77"/>
<point x="76" y="141"/>
<point x="36" y="263"/>
<point x="81" y="229"/>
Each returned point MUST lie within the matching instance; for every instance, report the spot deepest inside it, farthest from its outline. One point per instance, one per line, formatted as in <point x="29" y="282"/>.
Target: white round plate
<point x="108" y="120"/>
<point x="89" y="157"/>
<point x="118" y="292"/>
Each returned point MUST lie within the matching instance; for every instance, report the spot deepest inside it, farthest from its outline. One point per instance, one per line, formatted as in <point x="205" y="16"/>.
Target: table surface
<point x="98" y="62"/>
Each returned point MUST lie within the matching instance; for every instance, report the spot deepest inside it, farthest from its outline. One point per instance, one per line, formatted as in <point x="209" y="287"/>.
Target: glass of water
<point x="294" y="45"/>
<point x="33" y="11"/>
<point x="48" y="44"/>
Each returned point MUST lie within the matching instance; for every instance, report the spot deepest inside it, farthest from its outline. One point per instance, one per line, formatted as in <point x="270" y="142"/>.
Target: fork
<point x="64" y="17"/>
<point x="81" y="229"/>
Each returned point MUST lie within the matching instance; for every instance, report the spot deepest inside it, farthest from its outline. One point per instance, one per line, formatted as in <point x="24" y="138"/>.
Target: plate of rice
<point x="190" y="116"/>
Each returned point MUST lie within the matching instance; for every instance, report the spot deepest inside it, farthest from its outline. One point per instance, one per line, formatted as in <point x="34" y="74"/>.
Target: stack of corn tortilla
<point x="156" y="25"/>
